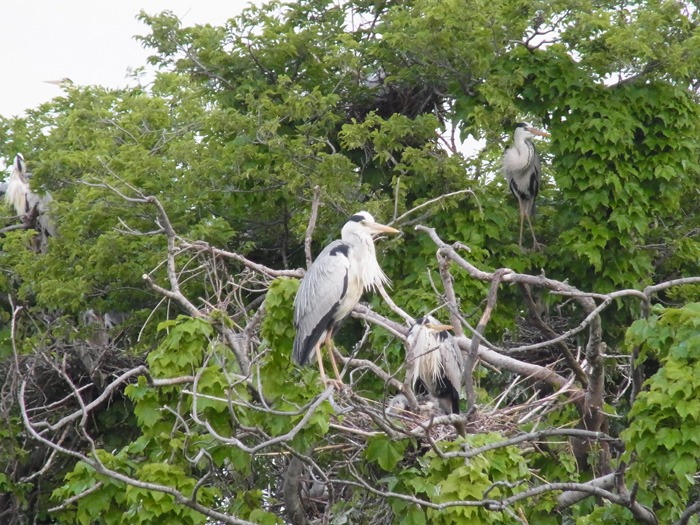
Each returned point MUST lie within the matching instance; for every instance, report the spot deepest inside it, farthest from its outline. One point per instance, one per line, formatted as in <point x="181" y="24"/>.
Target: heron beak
<point x="440" y="327"/>
<point x="539" y="132"/>
<point x="381" y="228"/>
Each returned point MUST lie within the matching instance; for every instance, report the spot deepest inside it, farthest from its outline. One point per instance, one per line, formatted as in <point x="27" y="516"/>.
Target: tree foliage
<point x="145" y="352"/>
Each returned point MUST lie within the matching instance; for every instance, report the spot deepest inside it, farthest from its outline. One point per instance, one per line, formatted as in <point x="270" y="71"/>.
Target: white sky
<point x="89" y="41"/>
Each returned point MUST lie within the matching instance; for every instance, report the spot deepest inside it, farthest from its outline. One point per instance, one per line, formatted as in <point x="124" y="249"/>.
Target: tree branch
<point x="312" y="224"/>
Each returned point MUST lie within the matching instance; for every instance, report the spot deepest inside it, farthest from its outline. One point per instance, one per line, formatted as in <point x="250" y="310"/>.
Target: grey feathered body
<point x="521" y="166"/>
<point x="19" y="195"/>
<point x="331" y="288"/>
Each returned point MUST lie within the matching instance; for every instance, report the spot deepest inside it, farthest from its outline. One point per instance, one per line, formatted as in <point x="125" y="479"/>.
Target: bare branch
<point x="688" y="513"/>
<point x="428" y="203"/>
<point x="264" y="270"/>
<point x="382" y="291"/>
<point x="66" y="503"/>
<point x="312" y="224"/>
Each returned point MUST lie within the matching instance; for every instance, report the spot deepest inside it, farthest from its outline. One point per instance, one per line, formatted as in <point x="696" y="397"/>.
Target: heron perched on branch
<point x="521" y="166"/>
<point x="28" y="205"/>
<point x="61" y="82"/>
<point x="17" y="192"/>
<point x="333" y="286"/>
<point x="437" y="362"/>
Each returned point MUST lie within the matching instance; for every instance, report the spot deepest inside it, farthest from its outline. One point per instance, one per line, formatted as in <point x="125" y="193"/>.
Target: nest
<point x="53" y="375"/>
<point x="428" y="422"/>
<point x="527" y="333"/>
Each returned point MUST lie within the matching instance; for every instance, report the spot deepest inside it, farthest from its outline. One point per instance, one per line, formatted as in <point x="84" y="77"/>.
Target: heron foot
<point x="337" y="384"/>
<point x="538" y="247"/>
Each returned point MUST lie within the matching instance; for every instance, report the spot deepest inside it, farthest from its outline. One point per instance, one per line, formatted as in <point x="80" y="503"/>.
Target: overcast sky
<point x="88" y="41"/>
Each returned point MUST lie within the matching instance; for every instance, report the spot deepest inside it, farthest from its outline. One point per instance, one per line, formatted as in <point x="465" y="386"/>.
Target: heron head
<point x="363" y="221"/>
<point x="524" y="131"/>
<point x="19" y="164"/>
<point x="433" y="324"/>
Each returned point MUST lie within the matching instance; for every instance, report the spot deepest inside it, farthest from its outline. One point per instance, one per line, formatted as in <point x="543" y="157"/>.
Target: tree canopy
<point x="145" y="348"/>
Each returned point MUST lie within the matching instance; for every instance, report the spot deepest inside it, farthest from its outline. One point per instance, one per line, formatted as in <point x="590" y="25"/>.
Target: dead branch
<point x="312" y="225"/>
<point x="688" y="513"/>
<point x="262" y="269"/>
<point x="428" y="203"/>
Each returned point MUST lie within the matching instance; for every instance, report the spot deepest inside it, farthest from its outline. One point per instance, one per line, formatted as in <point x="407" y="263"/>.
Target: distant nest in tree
<point x="52" y="374"/>
<point x="526" y="333"/>
<point x="427" y="422"/>
<point x="387" y="99"/>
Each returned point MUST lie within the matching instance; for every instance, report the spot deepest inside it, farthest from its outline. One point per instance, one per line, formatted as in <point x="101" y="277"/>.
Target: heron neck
<point x="524" y="153"/>
<point x="369" y="272"/>
<point x="427" y="356"/>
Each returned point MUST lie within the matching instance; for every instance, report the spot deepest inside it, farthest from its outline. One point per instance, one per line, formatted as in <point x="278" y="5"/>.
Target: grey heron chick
<point x="521" y="167"/>
<point x="437" y="362"/>
<point x="332" y="287"/>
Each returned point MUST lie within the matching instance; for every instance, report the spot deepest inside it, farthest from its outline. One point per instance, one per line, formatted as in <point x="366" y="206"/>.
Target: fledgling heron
<point x="333" y="286"/>
<point x="437" y="362"/>
<point x="521" y="166"/>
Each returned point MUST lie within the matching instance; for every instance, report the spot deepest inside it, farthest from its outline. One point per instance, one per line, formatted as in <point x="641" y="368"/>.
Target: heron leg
<point x="521" y="207"/>
<point x="535" y="245"/>
<point x="319" y="360"/>
<point x="329" y="345"/>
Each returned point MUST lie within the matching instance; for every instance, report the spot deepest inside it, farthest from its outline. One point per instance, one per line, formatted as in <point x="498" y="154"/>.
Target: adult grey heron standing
<point x="521" y="166"/>
<point x="28" y="205"/>
<point x="333" y="286"/>
<point x="437" y="362"/>
<point x="17" y="191"/>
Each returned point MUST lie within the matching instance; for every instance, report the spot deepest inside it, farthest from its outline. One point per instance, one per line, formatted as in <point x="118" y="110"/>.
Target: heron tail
<point x="301" y="353"/>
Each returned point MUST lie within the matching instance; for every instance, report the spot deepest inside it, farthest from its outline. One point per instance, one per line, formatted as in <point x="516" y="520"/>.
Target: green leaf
<point x="385" y="452"/>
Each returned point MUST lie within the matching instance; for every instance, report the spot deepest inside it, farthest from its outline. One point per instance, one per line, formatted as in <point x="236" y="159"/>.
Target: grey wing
<point x="46" y="219"/>
<point x="319" y="296"/>
<point x="535" y="177"/>
<point x="452" y="362"/>
<point x="537" y="169"/>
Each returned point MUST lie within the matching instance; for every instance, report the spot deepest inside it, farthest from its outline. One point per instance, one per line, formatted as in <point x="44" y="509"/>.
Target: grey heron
<point x="61" y="82"/>
<point x="17" y="194"/>
<point x="437" y="362"/>
<point x="333" y="286"/>
<point x="521" y="166"/>
<point x="27" y="204"/>
<point x="18" y="186"/>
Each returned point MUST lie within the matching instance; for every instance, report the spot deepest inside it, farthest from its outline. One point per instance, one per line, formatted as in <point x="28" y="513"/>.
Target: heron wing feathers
<point x="319" y="297"/>
<point x="436" y="366"/>
<point x="452" y="363"/>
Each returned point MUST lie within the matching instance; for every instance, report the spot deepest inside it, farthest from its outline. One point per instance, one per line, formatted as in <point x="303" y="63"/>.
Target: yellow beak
<point x="439" y="327"/>
<point x="539" y="132"/>
<point x="381" y="228"/>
